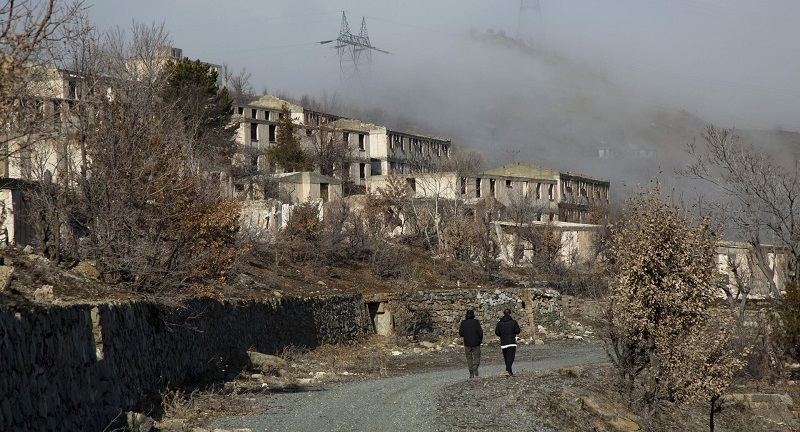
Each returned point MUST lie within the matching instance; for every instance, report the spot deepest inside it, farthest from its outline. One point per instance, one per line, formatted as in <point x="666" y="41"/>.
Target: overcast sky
<point x="635" y="75"/>
<point x="730" y="61"/>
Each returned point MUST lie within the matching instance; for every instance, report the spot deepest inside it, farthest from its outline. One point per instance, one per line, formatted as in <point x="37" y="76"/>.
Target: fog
<point x="641" y="77"/>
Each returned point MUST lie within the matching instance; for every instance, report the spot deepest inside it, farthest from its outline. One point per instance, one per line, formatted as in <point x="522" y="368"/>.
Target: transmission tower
<point x="355" y="51"/>
<point x="530" y="28"/>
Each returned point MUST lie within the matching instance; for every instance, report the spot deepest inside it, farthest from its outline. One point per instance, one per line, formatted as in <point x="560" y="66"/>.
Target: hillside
<point x="514" y="103"/>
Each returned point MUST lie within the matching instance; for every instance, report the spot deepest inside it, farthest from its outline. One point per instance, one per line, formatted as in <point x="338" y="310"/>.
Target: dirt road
<point x="412" y="402"/>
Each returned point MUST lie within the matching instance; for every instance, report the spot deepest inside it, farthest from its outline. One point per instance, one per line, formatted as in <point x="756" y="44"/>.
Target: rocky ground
<point x="563" y="385"/>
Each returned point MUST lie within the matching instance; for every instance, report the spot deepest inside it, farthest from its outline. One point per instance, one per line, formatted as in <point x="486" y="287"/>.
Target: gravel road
<point x="399" y="403"/>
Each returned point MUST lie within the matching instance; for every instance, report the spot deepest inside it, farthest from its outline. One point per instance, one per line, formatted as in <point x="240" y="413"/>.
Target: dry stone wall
<point x="77" y="367"/>
<point x="441" y="312"/>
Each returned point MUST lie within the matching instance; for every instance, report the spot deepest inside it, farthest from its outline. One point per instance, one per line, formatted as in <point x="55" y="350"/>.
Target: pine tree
<point x="287" y="152"/>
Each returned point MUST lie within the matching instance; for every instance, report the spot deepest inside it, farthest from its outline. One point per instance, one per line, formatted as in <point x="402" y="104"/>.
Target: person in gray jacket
<point x="508" y="329"/>
<point x="472" y="333"/>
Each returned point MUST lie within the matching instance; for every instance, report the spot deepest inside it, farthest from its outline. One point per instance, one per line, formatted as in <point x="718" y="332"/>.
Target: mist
<point x="640" y="78"/>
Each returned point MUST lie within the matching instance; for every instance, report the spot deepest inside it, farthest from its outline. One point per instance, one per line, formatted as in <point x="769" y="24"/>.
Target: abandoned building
<point x="545" y="194"/>
<point x="39" y="153"/>
<point x="576" y="243"/>
<point x="301" y="187"/>
<point x="736" y="261"/>
<point x="373" y="149"/>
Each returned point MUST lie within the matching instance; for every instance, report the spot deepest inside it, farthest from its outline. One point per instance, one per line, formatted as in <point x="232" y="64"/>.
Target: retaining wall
<point x="77" y="367"/>
<point x="441" y="312"/>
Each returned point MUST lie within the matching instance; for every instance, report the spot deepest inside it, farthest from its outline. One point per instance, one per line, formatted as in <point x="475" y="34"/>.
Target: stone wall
<point x="441" y="312"/>
<point x="77" y="367"/>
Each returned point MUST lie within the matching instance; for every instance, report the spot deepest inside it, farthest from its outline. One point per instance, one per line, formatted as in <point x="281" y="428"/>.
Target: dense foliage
<point x="662" y="338"/>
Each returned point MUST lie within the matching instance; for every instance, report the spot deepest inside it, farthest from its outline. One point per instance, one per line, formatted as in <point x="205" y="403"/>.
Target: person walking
<point x="508" y="329"/>
<point x="470" y="329"/>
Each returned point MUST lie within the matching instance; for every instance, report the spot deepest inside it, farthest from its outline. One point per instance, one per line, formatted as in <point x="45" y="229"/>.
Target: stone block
<point x="138" y="422"/>
<point x="44" y="294"/>
<point x="173" y="425"/>
<point x="265" y="362"/>
<point x="6" y="274"/>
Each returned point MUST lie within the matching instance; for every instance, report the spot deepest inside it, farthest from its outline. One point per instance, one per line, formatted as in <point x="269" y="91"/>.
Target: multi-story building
<point x="549" y="194"/>
<point x="374" y="150"/>
<point x="580" y="194"/>
<point x="258" y="126"/>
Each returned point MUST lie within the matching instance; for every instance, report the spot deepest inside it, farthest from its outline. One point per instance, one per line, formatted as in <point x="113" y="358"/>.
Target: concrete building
<point x="577" y="242"/>
<point x="258" y="126"/>
<point x="580" y="195"/>
<point x="374" y="149"/>
<point x="549" y="194"/>
<point x="301" y="187"/>
<point x="39" y="149"/>
<point x="736" y="262"/>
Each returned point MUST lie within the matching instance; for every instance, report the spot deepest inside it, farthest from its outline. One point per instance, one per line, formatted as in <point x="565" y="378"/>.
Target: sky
<point x="603" y="73"/>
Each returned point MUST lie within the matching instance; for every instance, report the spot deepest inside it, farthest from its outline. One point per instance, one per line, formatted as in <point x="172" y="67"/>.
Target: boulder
<point x="86" y="270"/>
<point x="6" y="273"/>
<point x="265" y="362"/>
<point x="173" y="425"/>
<point x="138" y="422"/>
<point x="44" y="294"/>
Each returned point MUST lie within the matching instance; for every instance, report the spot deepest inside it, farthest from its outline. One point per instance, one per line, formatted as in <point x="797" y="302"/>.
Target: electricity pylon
<point x="530" y="28"/>
<point x="355" y="50"/>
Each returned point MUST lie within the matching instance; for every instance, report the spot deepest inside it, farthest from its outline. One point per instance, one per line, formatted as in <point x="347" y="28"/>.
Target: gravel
<point x="441" y="399"/>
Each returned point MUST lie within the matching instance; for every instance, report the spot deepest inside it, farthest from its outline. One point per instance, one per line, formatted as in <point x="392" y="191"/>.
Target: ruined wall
<point x="441" y="312"/>
<point x="77" y="367"/>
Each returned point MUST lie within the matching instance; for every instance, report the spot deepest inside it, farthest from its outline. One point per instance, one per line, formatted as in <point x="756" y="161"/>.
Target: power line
<point x="355" y="50"/>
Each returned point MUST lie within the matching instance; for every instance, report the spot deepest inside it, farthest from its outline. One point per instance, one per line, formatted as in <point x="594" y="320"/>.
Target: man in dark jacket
<point x="508" y="329"/>
<point x="472" y="333"/>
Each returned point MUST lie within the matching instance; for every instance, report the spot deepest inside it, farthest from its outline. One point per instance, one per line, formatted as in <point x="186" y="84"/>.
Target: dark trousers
<point x="508" y="356"/>
<point x="473" y="358"/>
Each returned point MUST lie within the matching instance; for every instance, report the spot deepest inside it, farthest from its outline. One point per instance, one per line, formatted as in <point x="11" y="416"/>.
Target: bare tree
<point x="330" y="152"/>
<point x="464" y="162"/>
<point x="29" y="31"/>
<point x="118" y="173"/>
<point x="764" y="198"/>
<point x="238" y="84"/>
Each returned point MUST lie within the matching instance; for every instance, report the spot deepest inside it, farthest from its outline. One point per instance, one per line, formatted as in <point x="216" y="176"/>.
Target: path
<point x="401" y="403"/>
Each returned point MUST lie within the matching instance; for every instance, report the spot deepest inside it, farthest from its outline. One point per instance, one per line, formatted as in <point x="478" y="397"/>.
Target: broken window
<point x="73" y="89"/>
<point x="508" y="184"/>
<point x="323" y="192"/>
<point x="463" y="185"/>
<point x="253" y="112"/>
<point x="492" y="187"/>
<point x="254" y="132"/>
<point x="538" y="191"/>
<point x="477" y="188"/>
<point x="272" y="133"/>
<point x="361" y="141"/>
<point x="550" y="192"/>
<point x="361" y="171"/>
<point x="412" y="184"/>
<point x="241" y="110"/>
